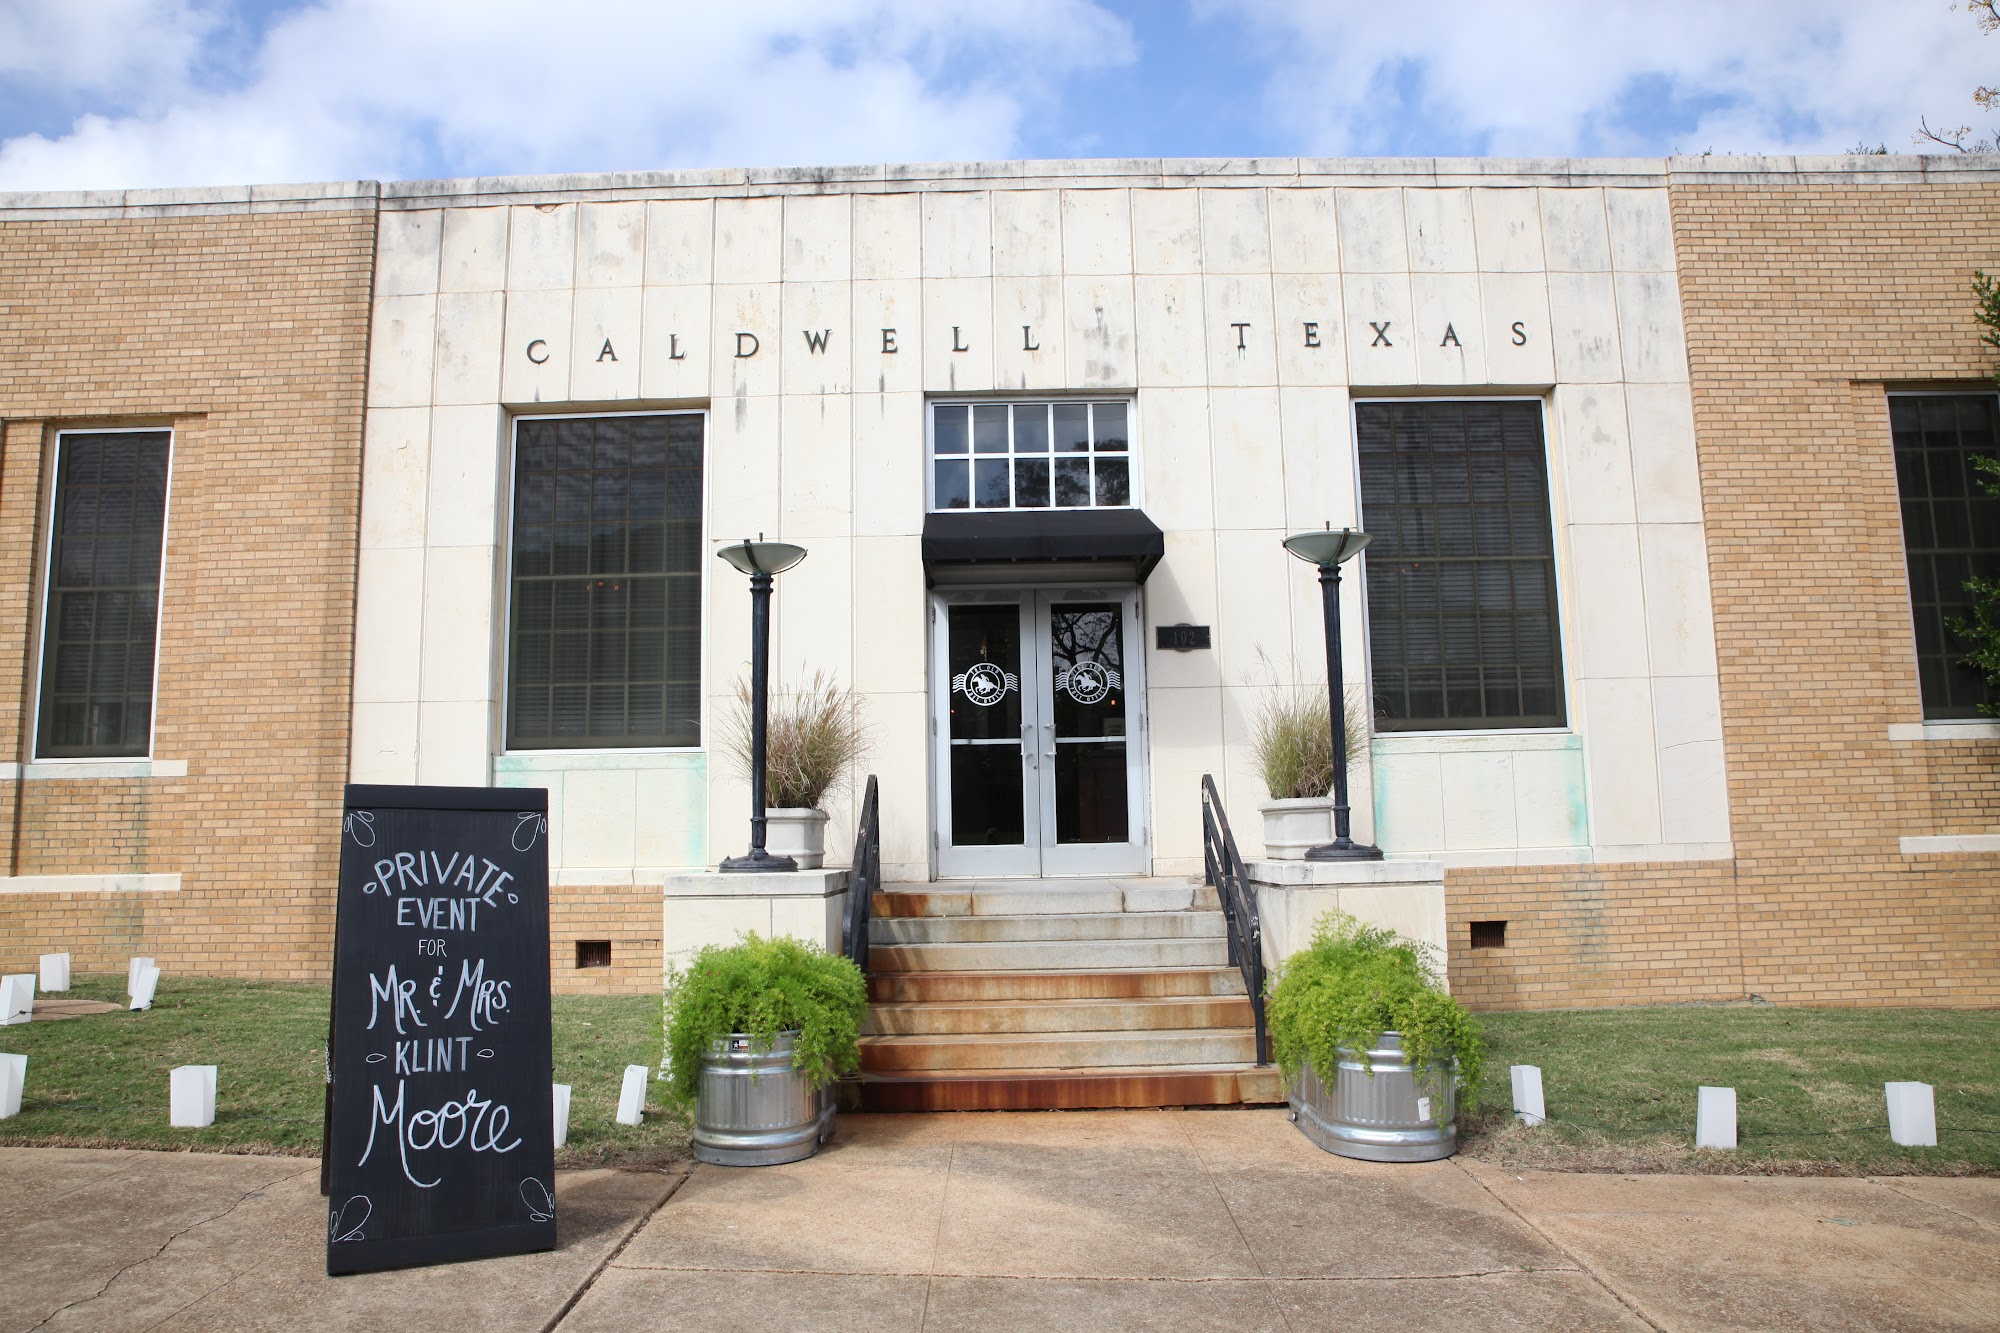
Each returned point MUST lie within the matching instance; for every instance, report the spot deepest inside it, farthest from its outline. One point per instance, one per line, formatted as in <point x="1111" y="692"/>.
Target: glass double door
<point x="1037" y="710"/>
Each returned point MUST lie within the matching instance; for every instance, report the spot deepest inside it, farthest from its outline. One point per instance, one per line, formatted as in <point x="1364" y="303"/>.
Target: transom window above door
<point x="1031" y="455"/>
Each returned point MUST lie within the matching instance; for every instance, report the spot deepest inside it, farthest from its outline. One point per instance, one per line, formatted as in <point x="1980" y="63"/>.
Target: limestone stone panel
<point x="541" y="247"/>
<point x="747" y="340"/>
<point x="890" y="615"/>
<point x="1318" y="429"/>
<point x="535" y="350"/>
<point x="1235" y="231"/>
<point x="676" y="343"/>
<point x="956" y="335"/>
<point x="1642" y="231"/>
<point x="1381" y="330"/>
<point x="1373" y="233"/>
<point x="1680" y="622"/>
<point x="1650" y="337"/>
<point x="1248" y="458"/>
<point x="749" y="241"/>
<point x="1617" y="718"/>
<point x="1585" y="318"/>
<point x="890" y="459"/>
<point x="1451" y="340"/>
<point x="888" y="236"/>
<point x="454" y="744"/>
<point x="1099" y="340"/>
<point x="743" y="462"/>
<point x="1606" y="601"/>
<point x="611" y="245"/>
<point x="607" y="344"/>
<point x="464" y="479"/>
<point x="1027" y="234"/>
<point x="399" y="370"/>
<point x="459" y="639"/>
<point x="1242" y="346"/>
<point x="1666" y="481"/>
<point x="1594" y="452"/>
<point x="1166" y="231"/>
<point x="384" y="743"/>
<point x="1507" y="227"/>
<point x="1520" y="347"/>
<point x="1308" y="327"/>
<point x="388" y="632"/>
<point x="396" y="455"/>
<point x="469" y="329"/>
<point x="1182" y="590"/>
<point x="680" y="242"/>
<point x="1029" y="334"/>
<point x="816" y="466"/>
<point x="958" y="234"/>
<point x="474" y="250"/>
<point x="406" y="253"/>
<point x="816" y="333"/>
<point x="819" y="238"/>
<point x="1096" y="233"/>
<point x="1441" y="231"/>
<point x="1575" y="234"/>
<point x="1176" y="459"/>
<point x="888" y="336"/>
<point x="1305" y="232"/>
<point x="1171" y="330"/>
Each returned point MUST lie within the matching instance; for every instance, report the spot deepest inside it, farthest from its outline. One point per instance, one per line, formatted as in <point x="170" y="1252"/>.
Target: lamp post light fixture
<point x="760" y="560"/>
<point x="1329" y="549"/>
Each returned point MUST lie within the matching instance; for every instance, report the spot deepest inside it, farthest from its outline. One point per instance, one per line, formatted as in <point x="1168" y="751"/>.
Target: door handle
<point x="1028" y="745"/>
<point x="1050" y="728"/>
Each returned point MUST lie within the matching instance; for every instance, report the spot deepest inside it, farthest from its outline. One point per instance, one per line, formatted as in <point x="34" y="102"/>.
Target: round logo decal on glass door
<point x="985" y="684"/>
<point x="1087" y="682"/>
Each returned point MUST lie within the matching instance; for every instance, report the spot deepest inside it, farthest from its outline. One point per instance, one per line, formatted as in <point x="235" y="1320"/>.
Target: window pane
<point x="1951" y="533"/>
<point x="1031" y="428"/>
<point x="990" y="480"/>
<point x="1108" y="426"/>
<point x="1072" y="428"/>
<point x="989" y="429"/>
<point x="953" y="484"/>
<point x="1461" y="574"/>
<point x="593" y="651"/>
<point x="1072" y="482"/>
<point x="1031" y="483"/>
<point x="948" y="430"/>
<point x="103" y="598"/>
<point x="1113" y="486"/>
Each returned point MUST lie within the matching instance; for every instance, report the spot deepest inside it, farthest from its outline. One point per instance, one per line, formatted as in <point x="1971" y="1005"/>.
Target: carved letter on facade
<point x="1381" y="333"/>
<point x="888" y="342"/>
<point x="605" y="353"/>
<point x="545" y="351"/>
<point x="954" y="341"/>
<point x="1451" y="338"/>
<point x="1028" y="343"/>
<point x="816" y="343"/>
<point x="753" y="344"/>
<point x="1312" y="333"/>
<point x="1241" y="345"/>
<point x="674" y="352"/>
<point x="1520" y="334"/>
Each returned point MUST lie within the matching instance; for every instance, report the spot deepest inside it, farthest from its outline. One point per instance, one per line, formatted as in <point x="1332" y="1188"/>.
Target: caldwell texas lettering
<point x="410" y="1011"/>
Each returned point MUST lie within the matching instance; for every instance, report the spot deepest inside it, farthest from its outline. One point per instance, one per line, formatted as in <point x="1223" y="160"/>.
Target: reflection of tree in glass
<point x="1085" y="636"/>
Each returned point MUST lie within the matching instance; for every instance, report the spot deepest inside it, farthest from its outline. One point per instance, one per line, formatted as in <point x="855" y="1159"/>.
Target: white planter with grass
<point x="1291" y="826"/>
<point x="799" y="833"/>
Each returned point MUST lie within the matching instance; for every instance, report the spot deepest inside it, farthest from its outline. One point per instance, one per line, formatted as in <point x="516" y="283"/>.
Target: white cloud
<point x="1598" y="77"/>
<point x="389" y="88"/>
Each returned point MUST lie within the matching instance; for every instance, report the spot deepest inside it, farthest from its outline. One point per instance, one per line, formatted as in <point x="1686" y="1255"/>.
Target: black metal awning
<point x="1037" y="545"/>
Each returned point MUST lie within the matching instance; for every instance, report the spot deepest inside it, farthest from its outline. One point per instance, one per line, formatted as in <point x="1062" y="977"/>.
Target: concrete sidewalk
<point x="1044" y="1221"/>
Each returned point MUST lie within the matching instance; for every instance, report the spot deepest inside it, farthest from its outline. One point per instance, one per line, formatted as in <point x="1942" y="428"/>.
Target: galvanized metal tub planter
<point x="1389" y="1115"/>
<point x="753" y="1109"/>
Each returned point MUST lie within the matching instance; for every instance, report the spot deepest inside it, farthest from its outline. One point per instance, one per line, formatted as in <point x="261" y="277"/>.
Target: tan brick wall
<point x="1802" y="302"/>
<point x="247" y="334"/>
<point x="630" y="918"/>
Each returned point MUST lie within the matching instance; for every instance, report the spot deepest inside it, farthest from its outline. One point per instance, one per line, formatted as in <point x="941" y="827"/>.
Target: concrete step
<point x="1059" y="1050"/>
<point x="1016" y="1016"/>
<point x="1050" y="955"/>
<point x="1074" y="926"/>
<point x="1035" y="897"/>
<point x="887" y="987"/>
<point x="1067" y="1090"/>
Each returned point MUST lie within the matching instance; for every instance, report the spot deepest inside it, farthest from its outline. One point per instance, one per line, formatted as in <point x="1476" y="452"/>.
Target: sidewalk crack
<point x="123" y="1269"/>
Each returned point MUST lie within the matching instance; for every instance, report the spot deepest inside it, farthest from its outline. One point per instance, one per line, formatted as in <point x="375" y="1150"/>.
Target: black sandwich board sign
<point x="440" y="1139"/>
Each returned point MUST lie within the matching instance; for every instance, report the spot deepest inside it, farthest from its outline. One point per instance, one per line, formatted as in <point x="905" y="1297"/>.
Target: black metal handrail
<point x="1239" y="904"/>
<point x="863" y="878"/>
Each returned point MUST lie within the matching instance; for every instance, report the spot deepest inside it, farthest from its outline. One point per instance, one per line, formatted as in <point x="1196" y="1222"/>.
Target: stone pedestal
<point x="1405" y="896"/>
<point x="711" y="907"/>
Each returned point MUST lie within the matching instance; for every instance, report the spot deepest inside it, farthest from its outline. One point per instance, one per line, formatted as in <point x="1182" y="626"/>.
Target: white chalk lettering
<point x="402" y="995"/>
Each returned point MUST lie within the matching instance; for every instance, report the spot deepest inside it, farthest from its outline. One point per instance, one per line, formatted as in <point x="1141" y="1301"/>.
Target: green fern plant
<point x="763" y="987"/>
<point x="1353" y="983"/>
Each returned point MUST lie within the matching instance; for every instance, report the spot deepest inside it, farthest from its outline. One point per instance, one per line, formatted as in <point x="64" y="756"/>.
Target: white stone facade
<point x="1242" y="307"/>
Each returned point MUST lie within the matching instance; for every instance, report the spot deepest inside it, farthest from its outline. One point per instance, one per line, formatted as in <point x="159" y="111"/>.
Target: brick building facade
<point x="1747" y="792"/>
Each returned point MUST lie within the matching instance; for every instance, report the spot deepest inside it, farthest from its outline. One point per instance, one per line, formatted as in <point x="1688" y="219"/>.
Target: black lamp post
<point x="1329" y="550"/>
<point x="760" y="560"/>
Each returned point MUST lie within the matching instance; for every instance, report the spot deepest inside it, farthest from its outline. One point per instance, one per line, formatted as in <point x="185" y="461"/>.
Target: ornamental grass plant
<point x="1291" y="736"/>
<point x="1355" y="982"/>
<point x="762" y="987"/>
<point x="813" y="738"/>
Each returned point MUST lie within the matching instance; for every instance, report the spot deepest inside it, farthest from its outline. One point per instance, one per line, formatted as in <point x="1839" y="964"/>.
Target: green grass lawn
<point x="101" y="1080"/>
<point x="1620" y="1088"/>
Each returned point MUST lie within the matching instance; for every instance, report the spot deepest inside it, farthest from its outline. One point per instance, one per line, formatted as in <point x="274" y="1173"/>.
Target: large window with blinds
<point x="1951" y="533"/>
<point x="103" y="603"/>
<point x="604" y="623"/>
<point x="1462" y="623"/>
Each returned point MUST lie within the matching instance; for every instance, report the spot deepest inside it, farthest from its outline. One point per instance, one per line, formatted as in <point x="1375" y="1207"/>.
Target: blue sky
<point x="109" y="93"/>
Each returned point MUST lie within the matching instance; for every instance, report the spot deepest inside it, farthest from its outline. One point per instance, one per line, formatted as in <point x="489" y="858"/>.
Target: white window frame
<point x="1133" y="471"/>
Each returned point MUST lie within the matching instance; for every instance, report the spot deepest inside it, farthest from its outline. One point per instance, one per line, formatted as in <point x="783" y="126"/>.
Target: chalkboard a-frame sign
<point x="439" y="1142"/>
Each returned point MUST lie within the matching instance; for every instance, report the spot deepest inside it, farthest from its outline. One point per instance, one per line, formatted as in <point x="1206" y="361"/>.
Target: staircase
<point x="1055" y="994"/>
